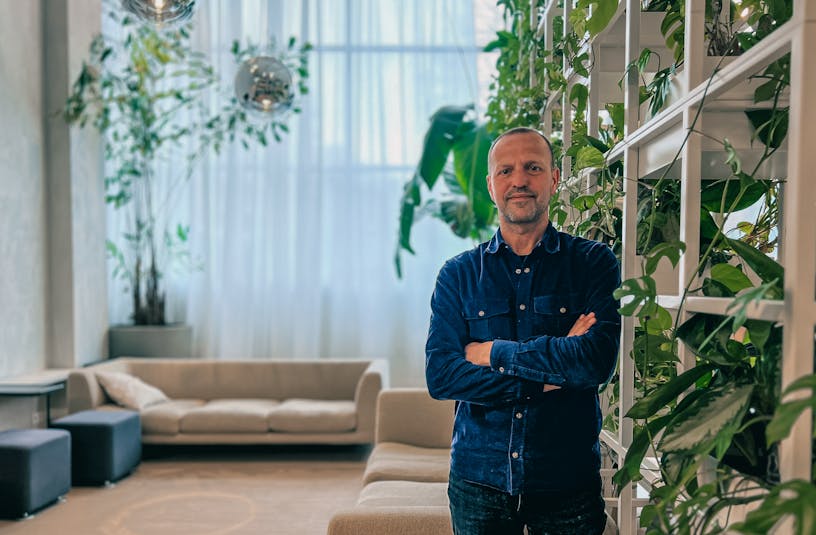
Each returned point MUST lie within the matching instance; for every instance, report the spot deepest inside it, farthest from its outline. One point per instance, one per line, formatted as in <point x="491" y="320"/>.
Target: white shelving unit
<point x="649" y="145"/>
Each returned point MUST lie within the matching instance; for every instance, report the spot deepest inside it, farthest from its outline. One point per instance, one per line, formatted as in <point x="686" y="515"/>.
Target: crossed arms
<point x="503" y="371"/>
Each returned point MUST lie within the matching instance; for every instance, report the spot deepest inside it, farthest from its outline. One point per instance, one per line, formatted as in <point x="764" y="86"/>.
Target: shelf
<point x="773" y="47"/>
<point x="765" y="309"/>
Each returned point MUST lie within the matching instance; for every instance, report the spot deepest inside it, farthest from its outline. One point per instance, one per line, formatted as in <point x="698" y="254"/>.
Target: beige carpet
<point x="234" y="491"/>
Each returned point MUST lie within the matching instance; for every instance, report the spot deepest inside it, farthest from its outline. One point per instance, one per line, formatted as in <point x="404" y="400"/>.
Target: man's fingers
<point x="582" y="324"/>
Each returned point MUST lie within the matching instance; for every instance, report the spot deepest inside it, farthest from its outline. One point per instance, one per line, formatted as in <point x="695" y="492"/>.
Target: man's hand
<point x="478" y="353"/>
<point x="582" y="324"/>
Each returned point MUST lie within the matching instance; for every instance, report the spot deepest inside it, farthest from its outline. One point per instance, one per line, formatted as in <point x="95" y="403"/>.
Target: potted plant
<point x="148" y="94"/>
<point x="455" y="148"/>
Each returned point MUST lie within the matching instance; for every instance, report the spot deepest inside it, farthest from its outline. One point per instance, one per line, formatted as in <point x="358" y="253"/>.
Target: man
<point x="523" y="330"/>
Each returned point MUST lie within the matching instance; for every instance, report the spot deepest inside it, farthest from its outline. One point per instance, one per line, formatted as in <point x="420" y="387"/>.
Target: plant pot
<point x="174" y="340"/>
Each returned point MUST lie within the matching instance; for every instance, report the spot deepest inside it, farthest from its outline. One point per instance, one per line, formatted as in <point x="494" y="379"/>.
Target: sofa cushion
<point x="395" y="461"/>
<point x="403" y="494"/>
<point x="229" y="416"/>
<point x="313" y="416"/>
<point x="129" y="391"/>
<point x="165" y="418"/>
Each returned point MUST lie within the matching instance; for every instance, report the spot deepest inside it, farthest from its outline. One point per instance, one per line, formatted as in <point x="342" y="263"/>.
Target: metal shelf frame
<point x="797" y="312"/>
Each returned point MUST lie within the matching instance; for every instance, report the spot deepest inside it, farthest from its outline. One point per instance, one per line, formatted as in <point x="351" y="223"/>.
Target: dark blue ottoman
<point x="35" y="469"/>
<point x="105" y="445"/>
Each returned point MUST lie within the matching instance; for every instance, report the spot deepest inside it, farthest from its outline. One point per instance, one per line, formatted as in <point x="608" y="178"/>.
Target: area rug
<point x="239" y="493"/>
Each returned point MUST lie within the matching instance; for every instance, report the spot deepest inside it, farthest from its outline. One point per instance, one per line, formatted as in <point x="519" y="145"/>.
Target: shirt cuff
<point x="501" y="356"/>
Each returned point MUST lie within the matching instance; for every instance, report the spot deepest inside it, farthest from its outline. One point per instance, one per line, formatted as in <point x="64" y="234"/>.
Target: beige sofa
<point x="406" y="476"/>
<point x="245" y="402"/>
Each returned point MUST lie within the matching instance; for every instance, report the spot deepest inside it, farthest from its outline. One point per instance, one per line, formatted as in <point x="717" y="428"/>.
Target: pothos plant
<point x="728" y="406"/>
<point x="733" y="411"/>
<point x="149" y="94"/>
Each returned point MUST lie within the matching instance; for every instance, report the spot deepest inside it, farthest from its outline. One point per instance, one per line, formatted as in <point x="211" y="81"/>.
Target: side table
<point x="33" y="390"/>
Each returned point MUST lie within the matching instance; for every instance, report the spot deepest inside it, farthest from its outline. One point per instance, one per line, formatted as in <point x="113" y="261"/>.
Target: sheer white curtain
<point x="296" y="240"/>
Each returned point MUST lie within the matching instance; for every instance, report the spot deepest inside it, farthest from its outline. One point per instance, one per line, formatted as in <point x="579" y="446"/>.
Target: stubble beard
<point x="525" y="215"/>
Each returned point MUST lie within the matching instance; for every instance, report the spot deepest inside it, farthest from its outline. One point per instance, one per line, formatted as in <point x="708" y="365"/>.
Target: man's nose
<point x="519" y="178"/>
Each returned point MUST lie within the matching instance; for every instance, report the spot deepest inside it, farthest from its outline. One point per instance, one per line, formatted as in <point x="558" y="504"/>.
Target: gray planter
<point x="175" y="340"/>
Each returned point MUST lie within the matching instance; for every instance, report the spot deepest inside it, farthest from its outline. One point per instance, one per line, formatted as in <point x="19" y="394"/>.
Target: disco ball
<point x="160" y="11"/>
<point x="264" y="85"/>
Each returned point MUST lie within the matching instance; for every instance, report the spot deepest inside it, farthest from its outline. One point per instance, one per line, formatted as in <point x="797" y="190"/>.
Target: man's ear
<point x="490" y="188"/>
<point x="556" y="174"/>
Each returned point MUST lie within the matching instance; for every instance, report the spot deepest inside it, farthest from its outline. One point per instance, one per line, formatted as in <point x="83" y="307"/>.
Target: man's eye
<point x="534" y="168"/>
<point x="504" y="172"/>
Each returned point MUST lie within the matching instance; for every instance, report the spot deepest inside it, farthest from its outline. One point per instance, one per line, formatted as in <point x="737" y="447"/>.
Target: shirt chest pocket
<point x="555" y="314"/>
<point x="488" y="319"/>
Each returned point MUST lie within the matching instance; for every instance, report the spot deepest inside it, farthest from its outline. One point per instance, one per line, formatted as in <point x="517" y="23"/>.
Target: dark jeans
<point x="479" y="510"/>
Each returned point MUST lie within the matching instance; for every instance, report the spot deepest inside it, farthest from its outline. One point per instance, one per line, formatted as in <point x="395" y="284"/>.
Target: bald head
<point x="517" y="131"/>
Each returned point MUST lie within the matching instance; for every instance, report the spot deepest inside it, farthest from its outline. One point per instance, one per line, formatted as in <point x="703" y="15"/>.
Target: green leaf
<point x="765" y="267"/>
<point x="643" y="291"/>
<point x="470" y="163"/>
<point x="739" y="306"/>
<point x="602" y="13"/>
<point x="732" y="277"/>
<point x="711" y="197"/>
<point x="796" y="498"/>
<point x="668" y="392"/>
<point x="760" y="332"/>
<point x="770" y="125"/>
<point x="710" y="422"/>
<point x="597" y="143"/>
<point x="671" y="250"/>
<point x="583" y="202"/>
<point x="733" y="159"/>
<point x="652" y="348"/>
<point x="616" y="112"/>
<point x="766" y="91"/>
<point x="588" y="157"/>
<point x="630" y="471"/>
<point x="439" y="140"/>
<point x="410" y="200"/>
<point x="788" y="412"/>
<point x="657" y="322"/>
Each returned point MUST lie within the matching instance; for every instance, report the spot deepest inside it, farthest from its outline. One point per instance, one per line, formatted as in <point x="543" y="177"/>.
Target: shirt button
<point x="514" y="455"/>
<point x="522" y="306"/>
<point x="526" y="270"/>
<point x="518" y="271"/>
<point x="518" y="416"/>
<point x="481" y="313"/>
<point x="563" y="310"/>
<point x="501" y="369"/>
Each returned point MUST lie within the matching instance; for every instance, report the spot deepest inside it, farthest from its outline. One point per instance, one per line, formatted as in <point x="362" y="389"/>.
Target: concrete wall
<point x="53" y="297"/>
<point x="23" y="189"/>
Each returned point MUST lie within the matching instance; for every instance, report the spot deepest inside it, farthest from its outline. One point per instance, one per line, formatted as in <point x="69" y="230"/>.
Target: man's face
<point x="521" y="180"/>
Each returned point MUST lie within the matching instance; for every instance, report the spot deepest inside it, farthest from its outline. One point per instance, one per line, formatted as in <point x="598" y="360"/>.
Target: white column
<point x="800" y="235"/>
<point x="75" y="206"/>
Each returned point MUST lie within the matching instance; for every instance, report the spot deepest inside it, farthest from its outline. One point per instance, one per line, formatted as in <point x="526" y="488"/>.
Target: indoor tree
<point x="149" y="94"/>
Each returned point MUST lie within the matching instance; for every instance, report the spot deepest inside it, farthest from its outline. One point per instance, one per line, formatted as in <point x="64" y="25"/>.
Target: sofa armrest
<point x="412" y="416"/>
<point x="394" y="520"/>
<point x="365" y="395"/>
<point x="83" y="390"/>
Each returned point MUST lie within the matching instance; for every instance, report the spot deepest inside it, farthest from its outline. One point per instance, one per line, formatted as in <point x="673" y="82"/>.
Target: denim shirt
<point x="508" y="433"/>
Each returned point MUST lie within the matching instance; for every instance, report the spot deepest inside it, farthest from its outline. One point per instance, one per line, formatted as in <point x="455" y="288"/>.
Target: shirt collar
<point x="549" y="241"/>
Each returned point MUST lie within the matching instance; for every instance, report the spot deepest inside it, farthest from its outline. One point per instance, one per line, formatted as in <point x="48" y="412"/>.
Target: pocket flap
<point x="486" y="308"/>
<point x="557" y="304"/>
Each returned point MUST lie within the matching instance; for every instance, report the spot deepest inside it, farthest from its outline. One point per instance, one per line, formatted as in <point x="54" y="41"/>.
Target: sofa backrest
<point x="268" y="379"/>
<point x="412" y="416"/>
